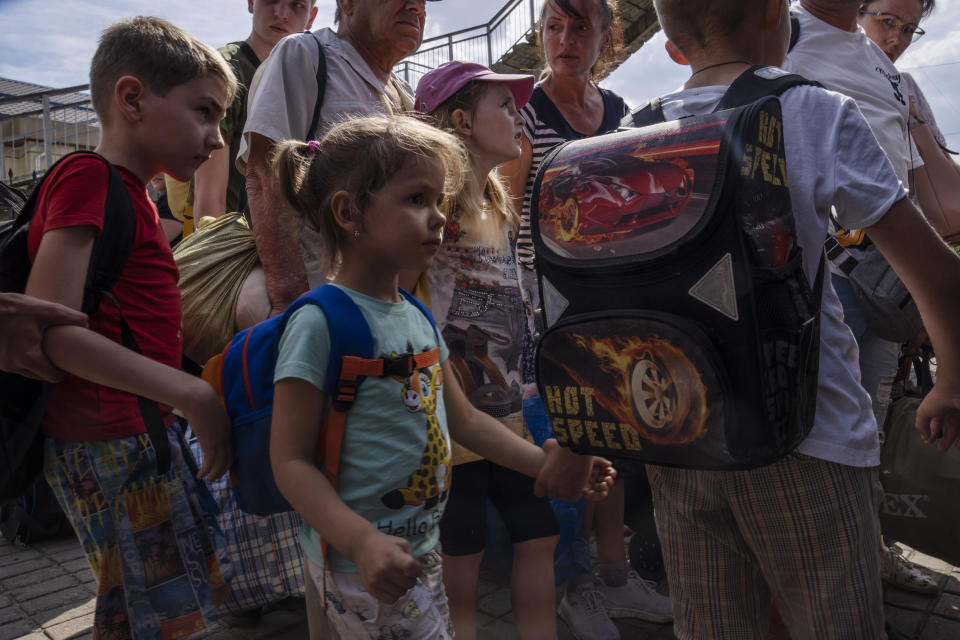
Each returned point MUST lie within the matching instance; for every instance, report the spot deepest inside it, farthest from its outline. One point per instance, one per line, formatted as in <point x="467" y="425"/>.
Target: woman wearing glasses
<point x="893" y="25"/>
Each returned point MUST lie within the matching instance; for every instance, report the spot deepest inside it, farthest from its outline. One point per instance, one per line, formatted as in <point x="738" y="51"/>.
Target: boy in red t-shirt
<point x="158" y="558"/>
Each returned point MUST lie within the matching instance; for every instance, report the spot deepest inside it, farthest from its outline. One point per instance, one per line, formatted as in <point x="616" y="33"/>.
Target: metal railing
<point x="484" y="44"/>
<point x="37" y="129"/>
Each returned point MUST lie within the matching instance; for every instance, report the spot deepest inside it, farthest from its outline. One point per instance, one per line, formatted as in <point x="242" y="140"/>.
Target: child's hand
<point x="938" y="416"/>
<point x="387" y="566"/>
<point x="564" y="474"/>
<point x="602" y="477"/>
<point x="210" y="423"/>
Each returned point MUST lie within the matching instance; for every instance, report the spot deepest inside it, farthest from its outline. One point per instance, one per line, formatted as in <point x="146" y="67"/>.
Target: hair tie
<point x="312" y="147"/>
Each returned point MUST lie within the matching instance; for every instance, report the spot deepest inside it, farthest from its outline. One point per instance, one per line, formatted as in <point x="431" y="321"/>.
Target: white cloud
<point x="51" y="42"/>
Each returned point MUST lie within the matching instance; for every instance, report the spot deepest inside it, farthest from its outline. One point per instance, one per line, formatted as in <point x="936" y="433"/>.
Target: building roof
<point x="67" y="105"/>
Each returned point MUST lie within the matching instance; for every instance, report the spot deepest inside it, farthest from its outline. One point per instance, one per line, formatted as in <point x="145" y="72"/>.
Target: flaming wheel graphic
<point x="663" y="384"/>
<point x="654" y="394"/>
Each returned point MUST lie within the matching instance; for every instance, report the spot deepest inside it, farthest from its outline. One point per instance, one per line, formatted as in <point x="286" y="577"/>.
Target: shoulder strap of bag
<point x="650" y="113"/>
<point x="112" y="247"/>
<point x="758" y="82"/>
<point x="321" y="86"/>
<point x="794" y="31"/>
<point x="754" y="83"/>
<point x="249" y="53"/>
<point x="351" y="361"/>
<point x="839" y="256"/>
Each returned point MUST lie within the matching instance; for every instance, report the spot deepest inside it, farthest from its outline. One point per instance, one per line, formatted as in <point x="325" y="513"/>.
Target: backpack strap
<point x="113" y="244"/>
<point x="794" y="31"/>
<point x="248" y="53"/>
<point x="754" y="83"/>
<point x="758" y="82"/>
<point x="109" y="255"/>
<point x="648" y="114"/>
<point x="351" y="361"/>
<point x="321" y="87"/>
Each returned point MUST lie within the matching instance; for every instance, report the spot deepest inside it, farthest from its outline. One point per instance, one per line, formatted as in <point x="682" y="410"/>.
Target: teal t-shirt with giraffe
<point x="395" y="460"/>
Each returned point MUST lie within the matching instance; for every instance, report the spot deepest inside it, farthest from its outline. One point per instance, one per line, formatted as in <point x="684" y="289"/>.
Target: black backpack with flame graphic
<point x="677" y="324"/>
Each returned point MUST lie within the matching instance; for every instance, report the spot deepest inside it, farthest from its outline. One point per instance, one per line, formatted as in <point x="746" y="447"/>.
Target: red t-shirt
<point x="74" y="194"/>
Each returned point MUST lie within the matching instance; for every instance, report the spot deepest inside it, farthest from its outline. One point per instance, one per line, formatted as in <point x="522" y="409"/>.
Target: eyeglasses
<point x="893" y="23"/>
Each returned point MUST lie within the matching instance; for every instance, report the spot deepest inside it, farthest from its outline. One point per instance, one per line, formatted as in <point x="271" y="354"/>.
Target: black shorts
<point x="463" y="528"/>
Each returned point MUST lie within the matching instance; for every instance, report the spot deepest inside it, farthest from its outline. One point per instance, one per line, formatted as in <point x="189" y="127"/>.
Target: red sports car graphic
<point x="604" y="196"/>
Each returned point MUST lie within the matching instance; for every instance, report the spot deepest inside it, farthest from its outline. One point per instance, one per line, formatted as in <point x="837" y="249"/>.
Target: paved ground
<point x="46" y="594"/>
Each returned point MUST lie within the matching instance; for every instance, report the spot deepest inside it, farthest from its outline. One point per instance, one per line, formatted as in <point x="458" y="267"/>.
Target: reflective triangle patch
<point x="553" y="302"/>
<point x="717" y="290"/>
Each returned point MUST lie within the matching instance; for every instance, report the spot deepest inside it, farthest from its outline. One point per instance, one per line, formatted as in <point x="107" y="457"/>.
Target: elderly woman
<point x="578" y="39"/>
<point x="371" y="37"/>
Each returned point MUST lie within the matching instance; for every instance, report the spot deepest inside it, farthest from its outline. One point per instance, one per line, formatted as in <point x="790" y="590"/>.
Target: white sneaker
<point x="636" y="598"/>
<point x="584" y="614"/>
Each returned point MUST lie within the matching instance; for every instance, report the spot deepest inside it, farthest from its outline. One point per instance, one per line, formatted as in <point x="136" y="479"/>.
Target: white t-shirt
<point x="852" y="64"/>
<point x="284" y="90"/>
<point x="831" y="160"/>
<point x="283" y="95"/>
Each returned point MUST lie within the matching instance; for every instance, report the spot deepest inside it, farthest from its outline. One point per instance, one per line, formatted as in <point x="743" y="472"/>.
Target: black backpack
<point x="23" y="400"/>
<point x="678" y="326"/>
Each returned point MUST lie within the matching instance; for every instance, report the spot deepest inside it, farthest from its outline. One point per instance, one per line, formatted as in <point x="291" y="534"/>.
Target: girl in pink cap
<point x="474" y="294"/>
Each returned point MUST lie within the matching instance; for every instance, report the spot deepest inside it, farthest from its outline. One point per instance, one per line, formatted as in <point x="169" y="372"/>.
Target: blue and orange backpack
<point x="243" y="377"/>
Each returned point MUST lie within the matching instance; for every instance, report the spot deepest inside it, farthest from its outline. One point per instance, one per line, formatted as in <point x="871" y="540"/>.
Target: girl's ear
<point x="462" y="122"/>
<point x="344" y="213"/>
<point x="128" y="93"/>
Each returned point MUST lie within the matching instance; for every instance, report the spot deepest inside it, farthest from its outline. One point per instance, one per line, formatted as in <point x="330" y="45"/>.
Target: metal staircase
<point x="507" y="43"/>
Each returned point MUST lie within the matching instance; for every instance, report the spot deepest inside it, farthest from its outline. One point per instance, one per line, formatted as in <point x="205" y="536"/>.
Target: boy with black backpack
<point x="114" y="456"/>
<point x="801" y="530"/>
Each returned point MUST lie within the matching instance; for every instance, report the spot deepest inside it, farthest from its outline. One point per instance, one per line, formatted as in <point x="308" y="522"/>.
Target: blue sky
<point x="50" y="42"/>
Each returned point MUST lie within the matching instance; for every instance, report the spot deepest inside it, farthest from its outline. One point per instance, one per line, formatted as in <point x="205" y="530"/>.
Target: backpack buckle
<point x="346" y="395"/>
<point x="399" y="366"/>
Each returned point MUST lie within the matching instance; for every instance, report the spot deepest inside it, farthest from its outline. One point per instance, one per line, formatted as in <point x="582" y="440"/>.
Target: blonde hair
<point x="359" y="156"/>
<point x="470" y="199"/>
<point x="157" y="53"/>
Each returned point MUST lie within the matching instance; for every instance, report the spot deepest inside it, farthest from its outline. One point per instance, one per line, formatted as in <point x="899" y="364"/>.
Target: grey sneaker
<point x="636" y="598"/>
<point x="900" y="572"/>
<point x="583" y="612"/>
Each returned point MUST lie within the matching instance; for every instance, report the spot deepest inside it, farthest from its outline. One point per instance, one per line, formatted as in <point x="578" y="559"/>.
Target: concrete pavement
<point x="46" y="594"/>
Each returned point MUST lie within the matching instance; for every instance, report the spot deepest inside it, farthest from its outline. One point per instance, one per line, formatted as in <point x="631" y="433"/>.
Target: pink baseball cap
<point x="436" y="86"/>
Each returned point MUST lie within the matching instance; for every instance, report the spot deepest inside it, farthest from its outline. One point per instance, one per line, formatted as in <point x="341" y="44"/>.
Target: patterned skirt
<point x="152" y="541"/>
